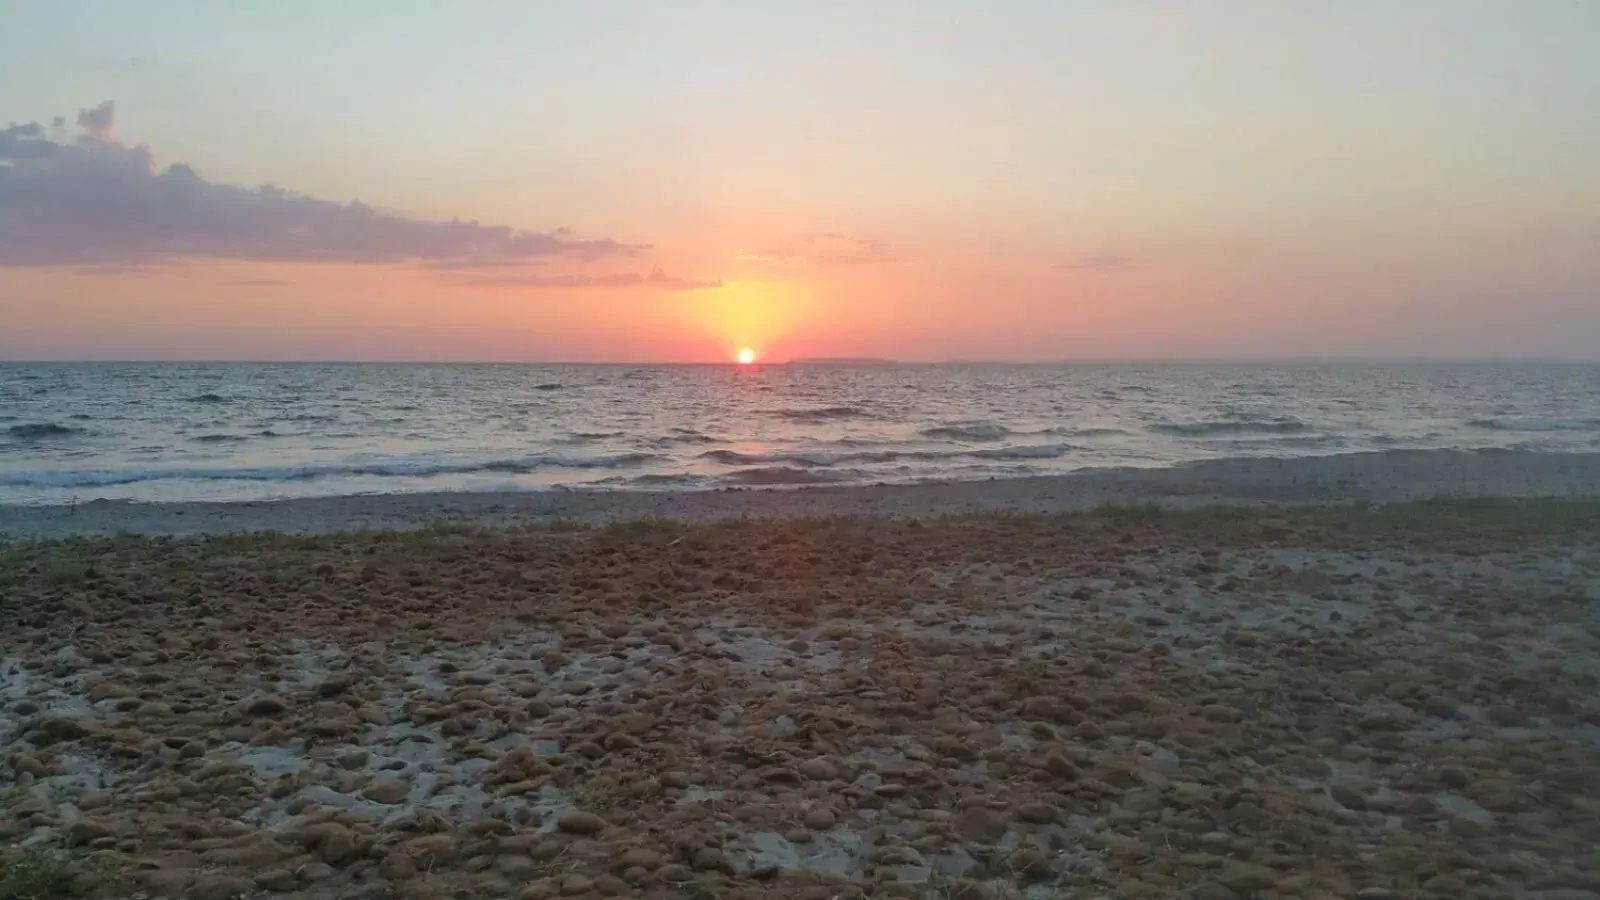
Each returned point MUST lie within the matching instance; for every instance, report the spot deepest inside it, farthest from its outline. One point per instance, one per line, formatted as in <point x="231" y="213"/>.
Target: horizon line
<point x="860" y="361"/>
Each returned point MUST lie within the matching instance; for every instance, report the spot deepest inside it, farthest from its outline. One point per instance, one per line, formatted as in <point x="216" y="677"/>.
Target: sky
<point x="918" y="179"/>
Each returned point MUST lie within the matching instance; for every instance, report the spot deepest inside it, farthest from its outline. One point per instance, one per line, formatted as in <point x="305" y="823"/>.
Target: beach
<point x="1368" y="676"/>
<point x="1382" y="477"/>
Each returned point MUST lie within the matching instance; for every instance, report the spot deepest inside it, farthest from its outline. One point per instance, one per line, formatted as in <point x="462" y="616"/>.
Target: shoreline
<point x="1377" y="477"/>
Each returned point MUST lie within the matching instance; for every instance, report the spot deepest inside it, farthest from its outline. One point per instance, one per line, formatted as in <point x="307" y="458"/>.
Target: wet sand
<point x="1371" y="703"/>
<point x="1373" y="477"/>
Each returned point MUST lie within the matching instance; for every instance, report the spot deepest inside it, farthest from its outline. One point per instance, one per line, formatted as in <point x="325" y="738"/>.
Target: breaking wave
<point x="823" y="414"/>
<point x="34" y="431"/>
<point x="1219" y="427"/>
<point x="71" y="478"/>
<point x="1536" y="425"/>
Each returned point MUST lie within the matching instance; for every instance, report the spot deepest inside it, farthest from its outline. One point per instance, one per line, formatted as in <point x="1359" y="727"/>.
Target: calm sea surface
<point x="77" y="432"/>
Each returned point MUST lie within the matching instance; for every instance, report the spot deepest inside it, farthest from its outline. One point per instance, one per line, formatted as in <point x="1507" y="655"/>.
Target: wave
<point x="549" y="386"/>
<point x="783" y="475"/>
<point x="1230" y="426"/>
<point x="967" y="431"/>
<point x="1535" y="424"/>
<point x="80" y="417"/>
<point x="988" y="431"/>
<point x="218" y="438"/>
<point x="209" y="398"/>
<point x="689" y="436"/>
<point x="823" y="460"/>
<point x="71" y="478"/>
<point x="823" y="414"/>
<point x="34" y="431"/>
<point x="1036" y="451"/>
<point x="267" y="432"/>
<point x="1084" y="432"/>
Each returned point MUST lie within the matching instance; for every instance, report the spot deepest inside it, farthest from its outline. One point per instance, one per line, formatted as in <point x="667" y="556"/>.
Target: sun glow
<point x="745" y="356"/>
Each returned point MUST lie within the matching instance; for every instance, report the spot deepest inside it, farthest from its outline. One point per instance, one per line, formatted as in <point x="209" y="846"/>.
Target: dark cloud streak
<point x="1104" y="263"/>
<point x="655" y="279"/>
<point x="96" y="201"/>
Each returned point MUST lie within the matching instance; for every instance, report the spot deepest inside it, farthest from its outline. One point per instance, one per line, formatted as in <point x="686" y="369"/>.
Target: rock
<point x="61" y="728"/>
<point x="579" y="822"/>
<point x="388" y="791"/>
<point x="1089" y="731"/>
<point x="677" y="780"/>
<point x="674" y="873"/>
<point x="331" y="841"/>
<point x="336" y="685"/>
<point x="818" y="769"/>
<point x="85" y="830"/>
<point x="1036" y="812"/>
<point x="270" y="705"/>
<point x="1246" y="877"/>
<point x="575" y="884"/>
<point x="710" y="859"/>
<point x="982" y="825"/>
<point x="218" y="887"/>
<point x="397" y="867"/>
<point x="543" y="889"/>
<point x="638" y="856"/>
<point x="819" y="819"/>
<point x="516" y="866"/>
<point x="280" y="880"/>
<point x="431" y="849"/>
<point x="1347" y="796"/>
<point x="93" y="800"/>
<point x="1455" y="777"/>
<point x="1061" y="767"/>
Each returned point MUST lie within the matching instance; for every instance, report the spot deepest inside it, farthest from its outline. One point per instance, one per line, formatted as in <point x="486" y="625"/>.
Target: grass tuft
<point x="37" y="874"/>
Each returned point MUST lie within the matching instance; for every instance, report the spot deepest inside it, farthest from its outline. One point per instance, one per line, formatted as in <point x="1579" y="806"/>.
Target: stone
<point x="543" y="889"/>
<point x="818" y="769"/>
<point x="981" y="824"/>
<point x="819" y="819"/>
<point x="1347" y="796"/>
<point x="1037" y="812"/>
<point x="218" y="887"/>
<point x="639" y="856"/>
<point x="1061" y="767"/>
<point x="710" y="859"/>
<point x="575" y="884"/>
<point x="1246" y="877"/>
<point x="270" y="705"/>
<point x="275" y="880"/>
<point x="674" y="873"/>
<point x="388" y="791"/>
<point x="579" y="822"/>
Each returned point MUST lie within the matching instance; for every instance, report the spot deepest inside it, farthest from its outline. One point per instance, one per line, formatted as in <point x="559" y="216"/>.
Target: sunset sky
<point x="633" y="181"/>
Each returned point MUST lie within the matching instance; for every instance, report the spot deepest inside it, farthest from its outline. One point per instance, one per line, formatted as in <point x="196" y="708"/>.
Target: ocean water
<point x="78" y="432"/>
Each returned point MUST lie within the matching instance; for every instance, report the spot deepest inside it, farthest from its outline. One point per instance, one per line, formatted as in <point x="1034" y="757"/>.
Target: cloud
<point x="823" y="249"/>
<point x="253" y="282"/>
<point x="117" y="269"/>
<point x="1104" y="263"/>
<point x="97" y="201"/>
<point x="655" y="279"/>
<point x="99" y="122"/>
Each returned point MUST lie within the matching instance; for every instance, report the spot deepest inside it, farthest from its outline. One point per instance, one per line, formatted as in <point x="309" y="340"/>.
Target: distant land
<point x="841" y="361"/>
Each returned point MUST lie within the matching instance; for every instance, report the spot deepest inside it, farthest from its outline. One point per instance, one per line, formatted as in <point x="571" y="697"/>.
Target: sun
<point x="745" y="356"/>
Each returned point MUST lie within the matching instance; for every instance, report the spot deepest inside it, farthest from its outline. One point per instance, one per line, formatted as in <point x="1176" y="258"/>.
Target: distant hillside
<point x="842" y="361"/>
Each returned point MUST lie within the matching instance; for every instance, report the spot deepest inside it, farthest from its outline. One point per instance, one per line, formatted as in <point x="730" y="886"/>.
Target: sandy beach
<point x="1277" y="701"/>
<point x="1369" y="477"/>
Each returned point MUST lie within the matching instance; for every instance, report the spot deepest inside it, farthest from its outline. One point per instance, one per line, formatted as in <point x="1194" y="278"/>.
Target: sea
<point x="72" y="433"/>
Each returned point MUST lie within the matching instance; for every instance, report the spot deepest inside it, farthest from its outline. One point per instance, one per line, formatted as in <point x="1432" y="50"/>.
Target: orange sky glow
<point x="1093" y="181"/>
